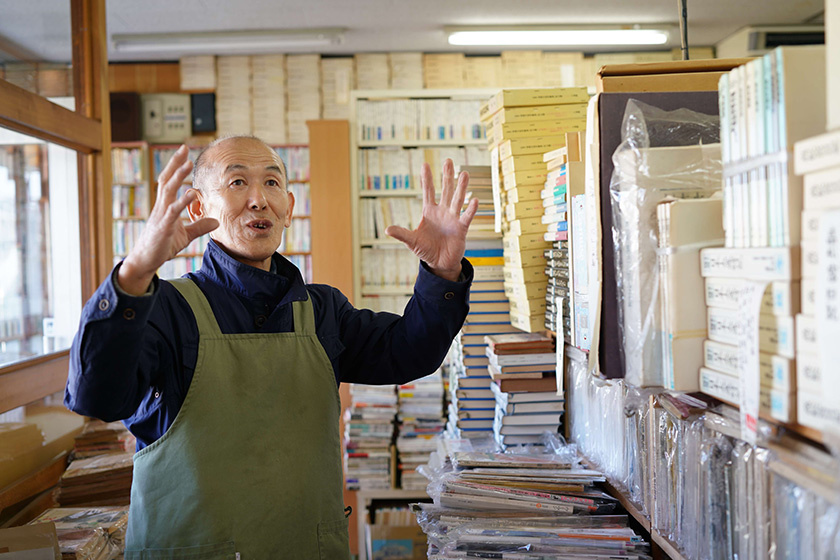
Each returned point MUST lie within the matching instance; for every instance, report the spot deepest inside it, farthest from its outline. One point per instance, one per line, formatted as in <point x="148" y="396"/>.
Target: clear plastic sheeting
<point x="663" y="155"/>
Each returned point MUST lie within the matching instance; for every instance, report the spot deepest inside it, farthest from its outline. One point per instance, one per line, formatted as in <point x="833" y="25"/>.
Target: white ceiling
<point x="42" y="26"/>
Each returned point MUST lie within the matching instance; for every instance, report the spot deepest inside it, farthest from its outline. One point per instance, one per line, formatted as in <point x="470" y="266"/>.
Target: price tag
<point x="828" y="306"/>
<point x="750" y="375"/>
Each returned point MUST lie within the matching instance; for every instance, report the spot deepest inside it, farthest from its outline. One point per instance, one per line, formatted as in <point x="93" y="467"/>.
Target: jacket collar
<point x="251" y="282"/>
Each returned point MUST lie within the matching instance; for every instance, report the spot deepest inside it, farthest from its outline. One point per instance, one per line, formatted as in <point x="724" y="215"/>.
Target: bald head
<point x="204" y="163"/>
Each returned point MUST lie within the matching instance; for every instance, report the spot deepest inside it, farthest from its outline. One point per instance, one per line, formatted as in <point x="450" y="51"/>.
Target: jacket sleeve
<point x="384" y="348"/>
<point x="117" y="353"/>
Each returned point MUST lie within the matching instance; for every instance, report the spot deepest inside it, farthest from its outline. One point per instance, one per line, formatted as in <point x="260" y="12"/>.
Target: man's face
<point x="245" y="190"/>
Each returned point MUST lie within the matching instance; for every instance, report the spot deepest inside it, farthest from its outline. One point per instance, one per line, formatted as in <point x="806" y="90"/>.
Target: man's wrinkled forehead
<point x="241" y="154"/>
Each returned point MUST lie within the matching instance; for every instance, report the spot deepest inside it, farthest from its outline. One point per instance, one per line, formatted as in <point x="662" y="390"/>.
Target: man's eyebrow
<point x="235" y="167"/>
<point x="274" y="168"/>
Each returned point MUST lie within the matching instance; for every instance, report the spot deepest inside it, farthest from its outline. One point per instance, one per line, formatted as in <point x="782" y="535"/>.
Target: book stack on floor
<point x="564" y="180"/>
<point x="817" y="160"/>
<point x="766" y="106"/>
<point x="481" y="187"/>
<point x="88" y="533"/>
<point x="522" y="125"/>
<point x="99" y="437"/>
<point x="523" y="363"/>
<point x="496" y="505"/>
<point x="420" y="420"/>
<point x="103" y="480"/>
<point x="368" y="434"/>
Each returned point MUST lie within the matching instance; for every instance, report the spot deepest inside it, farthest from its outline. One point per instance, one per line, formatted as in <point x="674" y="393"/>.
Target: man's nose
<point x="257" y="200"/>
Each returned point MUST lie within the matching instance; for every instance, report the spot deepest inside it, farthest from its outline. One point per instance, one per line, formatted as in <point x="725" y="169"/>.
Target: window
<point x="40" y="287"/>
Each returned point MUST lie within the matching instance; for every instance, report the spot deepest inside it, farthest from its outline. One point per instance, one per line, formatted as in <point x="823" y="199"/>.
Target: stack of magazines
<point x="88" y="533"/>
<point x="99" y="437"/>
<point x="536" y="505"/>
<point x="368" y="436"/>
<point x="420" y="421"/>
<point x="103" y="480"/>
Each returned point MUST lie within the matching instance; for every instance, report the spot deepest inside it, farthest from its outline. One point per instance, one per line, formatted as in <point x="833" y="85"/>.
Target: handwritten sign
<point x="828" y="308"/>
<point x="750" y="364"/>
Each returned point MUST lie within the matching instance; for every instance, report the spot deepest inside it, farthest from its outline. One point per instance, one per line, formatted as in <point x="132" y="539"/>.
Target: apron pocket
<point x="217" y="551"/>
<point x="333" y="540"/>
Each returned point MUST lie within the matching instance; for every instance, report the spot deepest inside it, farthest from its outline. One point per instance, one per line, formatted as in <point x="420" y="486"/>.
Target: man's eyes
<point x="268" y="182"/>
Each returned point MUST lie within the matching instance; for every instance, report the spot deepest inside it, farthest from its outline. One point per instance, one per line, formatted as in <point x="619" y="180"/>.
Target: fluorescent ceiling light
<point x="224" y="41"/>
<point x="556" y="36"/>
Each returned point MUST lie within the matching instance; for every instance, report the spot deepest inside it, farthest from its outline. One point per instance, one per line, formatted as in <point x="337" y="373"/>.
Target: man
<point x="229" y="377"/>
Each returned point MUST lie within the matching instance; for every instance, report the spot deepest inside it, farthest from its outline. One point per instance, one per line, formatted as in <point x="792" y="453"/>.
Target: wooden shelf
<point x="666" y="546"/>
<point x="376" y="242"/>
<point x="296" y="253"/>
<point x="298" y="181"/>
<point x="420" y="143"/>
<point x="130" y="218"/>
<point x="301" y="217"/>
<point x="378" y="193"/>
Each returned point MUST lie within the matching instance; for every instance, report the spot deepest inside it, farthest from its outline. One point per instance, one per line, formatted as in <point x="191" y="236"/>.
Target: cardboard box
<point x="682" y="75"/>
<point x="393" y="542"/>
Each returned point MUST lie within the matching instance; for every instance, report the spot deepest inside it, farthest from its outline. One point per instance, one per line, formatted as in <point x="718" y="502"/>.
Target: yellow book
<point x="527" y="306"/>
<point x="541" y="113"/>
<point x="486" y="261"/>
<point x="528" y="291"/>
<point x="528" y="323"/>
<point x="527" y="146"/>
<point x="524" y="178"/>
<point x="525" y="242"/>
<point x="527" y="209"/>
<point x="525" y="192"/>
<point x="524" y="275"/>
<point x="518" y="164"/>
<point x="530" y="257"/>
<point x="539" y="128"/>
<point x="527" y="225"/>
<point x="533" y="96"/>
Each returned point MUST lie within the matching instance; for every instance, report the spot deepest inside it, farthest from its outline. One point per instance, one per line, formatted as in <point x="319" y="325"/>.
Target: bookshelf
<point x="391" y="134"/>
<point x="296" y="245"/>
<point x="130" y="194"/>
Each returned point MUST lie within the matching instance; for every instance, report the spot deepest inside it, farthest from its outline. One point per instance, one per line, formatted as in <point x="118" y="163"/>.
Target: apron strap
<point x="204" y="318"/>
<point x="304" y="317"/>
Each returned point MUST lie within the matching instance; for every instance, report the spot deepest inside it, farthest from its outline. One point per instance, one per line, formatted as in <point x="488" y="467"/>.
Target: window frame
<point x="87" y="130"/>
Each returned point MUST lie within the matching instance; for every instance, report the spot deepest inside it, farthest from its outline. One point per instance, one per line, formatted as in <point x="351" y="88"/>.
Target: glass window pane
<point x="37" y="49"/>
<point x="40" y="284"/>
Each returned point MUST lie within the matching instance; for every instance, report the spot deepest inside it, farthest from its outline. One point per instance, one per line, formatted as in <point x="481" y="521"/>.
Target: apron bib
<point x="251" y="466"/>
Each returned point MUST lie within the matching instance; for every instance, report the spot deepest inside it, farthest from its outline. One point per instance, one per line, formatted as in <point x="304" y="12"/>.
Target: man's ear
<point x="290" y="209"/>
<point x="196" y="209"/>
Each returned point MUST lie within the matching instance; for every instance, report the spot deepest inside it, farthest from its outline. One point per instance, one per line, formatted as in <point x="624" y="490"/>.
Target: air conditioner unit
<point x="757" y="40"/>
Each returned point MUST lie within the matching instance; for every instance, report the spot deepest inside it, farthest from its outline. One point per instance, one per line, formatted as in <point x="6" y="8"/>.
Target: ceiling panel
<point x="42" y="26"/>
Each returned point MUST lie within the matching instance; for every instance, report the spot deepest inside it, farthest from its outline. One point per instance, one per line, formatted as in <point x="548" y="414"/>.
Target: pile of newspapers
<point x="525" y="505"/>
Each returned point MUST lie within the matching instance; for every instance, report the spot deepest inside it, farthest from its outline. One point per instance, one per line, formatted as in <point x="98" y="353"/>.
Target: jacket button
<point x="448" y="295"/>
<point x="129" y="314"/>
<point x="259" y="320"/>
<point x="104" y="304"/>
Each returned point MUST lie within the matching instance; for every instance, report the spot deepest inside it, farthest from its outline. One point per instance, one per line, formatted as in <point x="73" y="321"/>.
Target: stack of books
<point x="268" y="97"/>
<point x="522" y="68"/>
<point x="303" y="87"/>
<point x="444" y="71"/>
<point x="522" y="125"/>
<point x="198" y="72"/>
<point x="103" y="480"/>
<point x="87" y="533"/>
<point x="368" y="437"/>
<point x="420" y="420"/>
<point x="481" y="187"/>
<point x="337" y="79"/>
<point x="98" y="437"/>
<point x="817" y="160"/>
<point x="483" y="71"/>
<point x="372" y="71"/>
<point x="523" y="416"/>
<point x="472" y="406"/>
<point x="233" y="101"/>
<point x="406" y="70"/>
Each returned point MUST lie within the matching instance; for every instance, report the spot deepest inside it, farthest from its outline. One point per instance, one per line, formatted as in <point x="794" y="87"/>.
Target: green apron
<point x="251" y="466"/>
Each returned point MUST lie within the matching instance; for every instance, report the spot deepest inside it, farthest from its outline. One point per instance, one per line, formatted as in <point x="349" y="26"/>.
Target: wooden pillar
<point x="90" y="86"/>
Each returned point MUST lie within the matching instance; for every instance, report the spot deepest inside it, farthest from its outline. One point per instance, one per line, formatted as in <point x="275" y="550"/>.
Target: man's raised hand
<point x="165" y="234"/>
<point x="440" y="238"/>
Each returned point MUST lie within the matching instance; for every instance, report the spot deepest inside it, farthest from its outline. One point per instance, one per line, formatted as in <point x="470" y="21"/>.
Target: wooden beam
<point x="34" y="483"/>
<point x="152" y="77"/>
<point x="24" y="382"/>
<point x="29" y="113"/>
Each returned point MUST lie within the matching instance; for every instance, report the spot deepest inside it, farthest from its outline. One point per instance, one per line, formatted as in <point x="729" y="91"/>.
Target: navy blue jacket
<point x="133" y="357"/>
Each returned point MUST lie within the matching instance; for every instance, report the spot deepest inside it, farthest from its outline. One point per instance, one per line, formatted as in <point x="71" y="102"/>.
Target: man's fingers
<point x="447" y="187"/>
<point x="427" y="185"/>
<point x="469" y="213"/>
<point x="200" y="227"/>
<point x="170" y="188"/>
<point x="176" y="161"/>
<point x="460" y="192"/>
<point x="401" y="234"/>
<point x="176" y="208"/>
